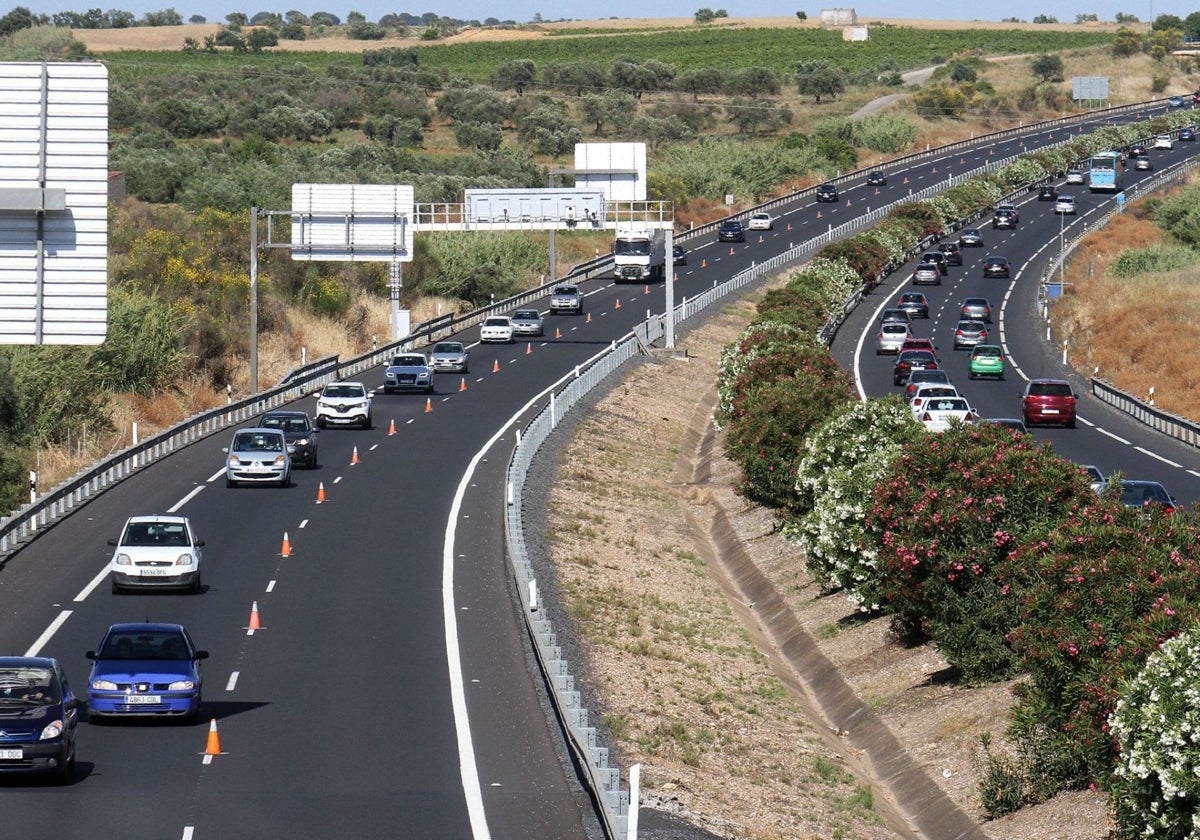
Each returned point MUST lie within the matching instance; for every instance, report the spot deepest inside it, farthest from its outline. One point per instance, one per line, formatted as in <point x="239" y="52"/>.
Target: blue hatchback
<point x="38" y="716"/>
<point x="145" y="670"/>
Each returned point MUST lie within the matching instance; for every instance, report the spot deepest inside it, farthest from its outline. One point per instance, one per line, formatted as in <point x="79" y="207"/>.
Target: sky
<point x="525" y="10"/>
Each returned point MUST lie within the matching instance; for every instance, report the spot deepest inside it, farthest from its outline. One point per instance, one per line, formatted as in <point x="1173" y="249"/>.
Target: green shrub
<point x="1158" y="260"/>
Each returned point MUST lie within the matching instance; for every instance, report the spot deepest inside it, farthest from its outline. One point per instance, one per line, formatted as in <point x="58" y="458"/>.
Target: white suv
<point x="156" y="551"/>
<point x="1163" y="141"/>
<point x="344" y="404"/>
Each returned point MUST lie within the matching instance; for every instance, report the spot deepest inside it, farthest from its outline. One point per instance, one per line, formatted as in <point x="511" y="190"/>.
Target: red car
<point x="914" y="343"/>
<point x="1048" y="401"/>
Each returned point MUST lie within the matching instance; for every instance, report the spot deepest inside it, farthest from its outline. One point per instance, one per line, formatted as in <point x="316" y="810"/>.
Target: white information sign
<point x="617" y="170"/>
<point x="352" y="222"/>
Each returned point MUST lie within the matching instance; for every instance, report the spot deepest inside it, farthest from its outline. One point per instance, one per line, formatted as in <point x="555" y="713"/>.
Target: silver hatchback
<point x="891" y="336"/>
<point x="258" y="456"/>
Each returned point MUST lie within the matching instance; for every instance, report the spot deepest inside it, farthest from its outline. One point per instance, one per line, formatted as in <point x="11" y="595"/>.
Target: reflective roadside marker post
<point x="669" y="258"/>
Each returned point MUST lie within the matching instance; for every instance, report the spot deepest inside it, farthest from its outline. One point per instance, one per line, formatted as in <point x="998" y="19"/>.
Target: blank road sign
<point x="53" y="203"/>
<point x="352" y="222"/>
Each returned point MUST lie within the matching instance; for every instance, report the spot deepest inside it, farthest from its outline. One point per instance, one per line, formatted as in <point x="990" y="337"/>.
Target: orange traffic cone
<point x="392" y="427"/>
<point x="589" y="318"/>
<point x="760" y="241"/>
<point x="428" y="405"/>
<point x="496" y="366"/>
<point x="528" y="347"/>
<point x="320" y="492"/>
<point x="286" y="549"/>
<point x="354" y="456"/>
<point x="818" y="214"/>
<point x="935" y="169"/>
<point x="255" y="622"/>
<point x="789" y="227"/>
<point x="617" y="305"/>
<point x="462" y="386"/>
<point x="704" y="263"/>
<point x="847" y="202"/>
<point x="731" y="251"/>
<point x="213" y="746"/>
<point x="647" y="291"/>
<point x="558" y="332"/>
<point x="877" y="191"/>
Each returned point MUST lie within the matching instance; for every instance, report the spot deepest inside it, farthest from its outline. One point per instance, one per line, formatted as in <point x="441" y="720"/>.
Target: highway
<point x="389" y="690"/>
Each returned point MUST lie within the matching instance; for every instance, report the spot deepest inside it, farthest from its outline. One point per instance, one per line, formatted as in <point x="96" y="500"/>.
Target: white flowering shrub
<point x="946" y="208"/>
<point x="891" y="240"/>
<point x="763" y="338"/>
<point x="1156" y="726"/>
<point x="1021" y="171"/>
<point x="832" y="280"/>
<point x="836" y="478"/>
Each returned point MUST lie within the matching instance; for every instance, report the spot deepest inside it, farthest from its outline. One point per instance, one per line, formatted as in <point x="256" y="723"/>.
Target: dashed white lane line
<point x="303" y="523"/>
<point x="48" y="633"/>
<point x="270" y="586"/>
<point x="215" y="475"/>
<point x="233" y="678"/>
<point x="187" y="832"/>
<point x="175" y="507"/>
<point x="1117" y="438"/>
<point x="92" y="584"/>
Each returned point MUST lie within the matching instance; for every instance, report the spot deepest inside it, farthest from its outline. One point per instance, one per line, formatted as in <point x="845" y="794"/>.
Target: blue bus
<point x="1104" y="172"/>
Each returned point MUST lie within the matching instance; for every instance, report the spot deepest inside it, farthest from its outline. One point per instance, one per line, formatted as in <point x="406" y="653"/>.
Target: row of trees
<point x="993" y="548"/>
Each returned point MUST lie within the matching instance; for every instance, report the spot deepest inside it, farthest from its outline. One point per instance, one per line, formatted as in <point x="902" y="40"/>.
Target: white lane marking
<point x="92" y="584"/>
<point x="175" y="507"/>
<point x="270" y="586"/>
<point x="373" y="447"/>
<point x="1156" y="456"/>
<point x="303" y="522"/>
<point x="206" y="760"/>
<point x="1117" y="438"/>
<point x="187" y="832"/>
<point x="48" y="633"/>
<point x="233" y="678"/>
<point x="216" y="475"/>
<point x="1193" y="472"/>
<point x="336" y="480"/>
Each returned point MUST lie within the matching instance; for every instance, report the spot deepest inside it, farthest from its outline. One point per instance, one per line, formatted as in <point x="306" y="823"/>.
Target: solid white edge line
<point x="92" y="584"/>
<point x="175" y="507"/>
<point x="1117" y="438"/>
<point x="48" y="633"/>
<point x="458" y="699"/>
<point x="1158" y="457"/>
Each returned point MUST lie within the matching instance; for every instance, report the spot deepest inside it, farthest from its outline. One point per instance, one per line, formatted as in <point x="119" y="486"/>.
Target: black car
<point x="731" y="230"/>
<point x="1004" y="219"/>
<point x="952" y="252"/>
<point x="877" y="179"/>
<point x="827" y="192"/>
<point x="299" y="432"/>
<point x="1137" y="150"/>
<point x="1187" y="135"/>
<point x="910" y="360"/>
<point x="996" y="266"/>
<point x="1048" y="193"/>
<point x="938" y="259"/>
<point x="915" y="304"/>
<point x="678" y="255"/>
<point x="39" y="716"/>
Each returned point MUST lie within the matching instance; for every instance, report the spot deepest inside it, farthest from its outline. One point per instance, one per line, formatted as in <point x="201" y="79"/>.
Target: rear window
<point x="896" y="327"/>
<point x="1050" y="389"/>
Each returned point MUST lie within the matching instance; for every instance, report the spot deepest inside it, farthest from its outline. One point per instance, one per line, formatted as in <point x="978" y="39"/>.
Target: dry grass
<point x="1119" y="327"/>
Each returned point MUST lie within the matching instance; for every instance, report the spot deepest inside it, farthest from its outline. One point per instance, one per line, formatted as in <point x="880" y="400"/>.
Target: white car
<point x="939" y="413"/>
<point x="156" y="551"/>
<point x="497" y="328"/>
<point x="1064" y="205"/>
<point x="1164" y="141"/>
<point x="1075" y="176"/>
<point x="761" y="221"/>
<point x="925" y="393"/>
<point x="344" y="404"/>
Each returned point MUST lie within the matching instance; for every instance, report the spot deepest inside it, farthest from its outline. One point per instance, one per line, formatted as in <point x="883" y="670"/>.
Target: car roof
<point x="157" y="517"/>
<point x="457" y="344"/>
<point x="147" y="626"/>
<point x="910" y="295"/>
<point x="525" y="313"/>
<point x="27" y="662"/>
<point x="995" y="258"/>
<point x="975" y="299"/>
<point x="1046" y="381"/>
<point x="264" y="429"/>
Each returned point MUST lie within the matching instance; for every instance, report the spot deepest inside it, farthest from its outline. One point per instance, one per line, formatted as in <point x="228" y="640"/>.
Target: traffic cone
<point x="558" y="332"/>
<point x="528" y="347"/>
<point x="647" y="291"/>
<point x="847" y="202"/>
<point x="255" y="622"/>
<point x="789" y="227"/>
<point x="286" y="549"/>
<point x="731" y="250"/>
<point x="354" y="456"/>
<point x="877" y="191"/>
<point x="818" y="214"/>
<point x="906" y="179"/>
<point x="704" y="263"/>
<point x="462" y="386"/>
<point x="589" y="318"/>
<point x="935" y="169"/>
<point x="760" y="241"/>
<point x="428" y="405"/>
<point x="496" y="366"/>
<point x="392" y="427"/>
<point x="617" y="305"/>
<point x="213" y="746"/>
<point x="320" y="492"/>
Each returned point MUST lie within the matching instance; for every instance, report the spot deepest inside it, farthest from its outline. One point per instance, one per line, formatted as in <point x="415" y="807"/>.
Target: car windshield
<point x="566" y="290"/>
<point x="155" y="533"/>
<point x="633" y="247"/>
<point x="917" y="356"/>
<point x="448" y="347"/>
<point x="1137" y="494"/>
<point x="22" y="686"/>
<point x="145" y="644"/>
<point x="409" y="361"/>
<point x="526" y="315"/>
<point x="257" y="442"/>
<point x="342" y="391"/>
<point x="496" y="322"/>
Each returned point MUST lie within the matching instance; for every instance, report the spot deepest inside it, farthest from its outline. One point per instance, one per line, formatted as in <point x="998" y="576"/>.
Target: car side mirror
<point x="112" y="542"/>
<point x="73" y="703"/>
<point x="91" y="654"/>
<point x="198" y="543"/>
<point x="200" y="654"/>
<point x="225" y="449"/>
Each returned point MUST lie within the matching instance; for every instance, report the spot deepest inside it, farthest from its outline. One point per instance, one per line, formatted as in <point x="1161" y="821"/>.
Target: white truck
<point x="639" y="255"/>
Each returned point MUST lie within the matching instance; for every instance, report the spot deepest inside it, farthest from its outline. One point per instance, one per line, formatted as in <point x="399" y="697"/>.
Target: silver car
<point x="890" y="337"/>
<point x="969" y="334"/>
<point x="497" y="328"/>
<point x="450" y="357"/>
<point x="927" y="273"/>
<point x="527" y="322"/>
<point x="408" y="372"/>
<point x="258" y="456"/>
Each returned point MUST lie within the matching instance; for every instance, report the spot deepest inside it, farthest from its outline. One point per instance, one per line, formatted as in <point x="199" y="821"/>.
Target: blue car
<point x="145" y="670"/>
<point x="38" y="718"/>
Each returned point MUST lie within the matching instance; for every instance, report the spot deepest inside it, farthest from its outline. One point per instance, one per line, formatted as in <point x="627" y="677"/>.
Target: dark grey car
<point x="298" y="430"/>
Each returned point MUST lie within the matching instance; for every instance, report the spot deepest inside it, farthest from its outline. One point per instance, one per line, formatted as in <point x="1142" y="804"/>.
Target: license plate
<point x="142" y="699"/>
<point x="155" y="572"/>
<point x="1049" y="411"/>
<point x="12" y="754"/>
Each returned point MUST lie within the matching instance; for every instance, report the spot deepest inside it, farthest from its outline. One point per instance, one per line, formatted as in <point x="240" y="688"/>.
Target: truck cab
<point x="639" y="255"/>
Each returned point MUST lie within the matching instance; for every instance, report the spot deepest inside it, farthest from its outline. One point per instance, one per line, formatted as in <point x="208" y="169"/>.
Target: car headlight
<point x="54" y="729"/>
<point x="122" y="560"/>
<point x="302" y="442"/>
<point x="181" y="685"/>
<point x="280" y="460"/>
<point x="104" y="685"/>
<point x="184" y="560"/>
<point x="234" y="461"/>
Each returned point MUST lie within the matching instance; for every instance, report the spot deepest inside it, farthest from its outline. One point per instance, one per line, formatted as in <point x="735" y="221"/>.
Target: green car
<point x="986" y="360"/>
